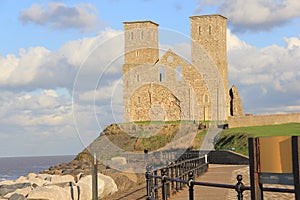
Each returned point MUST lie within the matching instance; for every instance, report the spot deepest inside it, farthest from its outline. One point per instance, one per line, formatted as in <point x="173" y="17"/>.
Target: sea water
<point x="13" y="167"/>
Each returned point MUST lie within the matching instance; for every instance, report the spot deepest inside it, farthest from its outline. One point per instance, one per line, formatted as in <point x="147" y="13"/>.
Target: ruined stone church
<point x="170" y="88"/>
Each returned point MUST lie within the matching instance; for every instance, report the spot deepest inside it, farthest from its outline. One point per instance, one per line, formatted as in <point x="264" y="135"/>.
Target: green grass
<point x="238" y="137"/>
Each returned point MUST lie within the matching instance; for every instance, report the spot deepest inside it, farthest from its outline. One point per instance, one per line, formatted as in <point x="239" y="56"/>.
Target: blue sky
<point x="45" y="43"/>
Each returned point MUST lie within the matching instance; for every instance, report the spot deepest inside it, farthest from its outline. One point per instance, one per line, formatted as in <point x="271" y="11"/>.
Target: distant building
<point x="169" y="88"/>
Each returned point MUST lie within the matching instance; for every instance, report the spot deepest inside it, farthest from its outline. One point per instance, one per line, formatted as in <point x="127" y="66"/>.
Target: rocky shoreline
<point x="69" y="181"/>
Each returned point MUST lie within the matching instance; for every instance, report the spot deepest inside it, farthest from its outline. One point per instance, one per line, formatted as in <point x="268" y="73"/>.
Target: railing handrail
<point x="174" y="174"/>
<point x="181" y="173"/>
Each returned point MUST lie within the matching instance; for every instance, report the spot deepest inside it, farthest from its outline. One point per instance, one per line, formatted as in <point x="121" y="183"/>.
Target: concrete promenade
<point x="215" y="174"/>
<point x="225" y="174"/>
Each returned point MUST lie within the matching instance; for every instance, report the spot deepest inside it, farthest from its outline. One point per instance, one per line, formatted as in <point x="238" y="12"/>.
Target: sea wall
<point x="227" y="157"/>
<point x="261" y="120"/>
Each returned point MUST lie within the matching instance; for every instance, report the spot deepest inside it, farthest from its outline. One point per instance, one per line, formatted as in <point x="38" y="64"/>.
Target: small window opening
<point x="142" y="35"/>
<point x="179" y="73"/>
<point x="199" y="30"/>
<point x="138" y="78"/>
<point x="137" y="53"/>
<point x="206" y="98"/>
<point x="139" y="99"/>
<point x="161" y="74"/>
<point x="131" y="35"/>
<point x="209" y="29"/>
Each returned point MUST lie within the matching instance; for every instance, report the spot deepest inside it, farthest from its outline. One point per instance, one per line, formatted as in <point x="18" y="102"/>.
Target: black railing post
<point x="239" y="187"/>
<point x="155" y="186"/>
<point x="148" y="181"/>
<point x="167" y="173"/>
<point x="163" y="181"/>
<point x="191" y="185"/>
<point x="177" y="176"/>
<point x="172" y="176"/>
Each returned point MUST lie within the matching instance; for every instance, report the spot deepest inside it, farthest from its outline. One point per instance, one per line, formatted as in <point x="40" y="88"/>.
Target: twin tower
<point x="167" y="87"/>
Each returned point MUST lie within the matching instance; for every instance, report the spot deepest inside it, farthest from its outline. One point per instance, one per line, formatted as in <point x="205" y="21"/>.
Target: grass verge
<point x="238" y="137"/>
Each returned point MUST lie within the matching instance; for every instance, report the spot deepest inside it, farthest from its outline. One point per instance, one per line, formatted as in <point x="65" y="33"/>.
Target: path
<point x="215" y="174"/>
<point x="209" y="139"/>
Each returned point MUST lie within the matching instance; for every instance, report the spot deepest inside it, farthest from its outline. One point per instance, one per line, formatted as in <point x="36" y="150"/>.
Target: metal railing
<point x="174" y="176"/>
<point x="162" y="183"/>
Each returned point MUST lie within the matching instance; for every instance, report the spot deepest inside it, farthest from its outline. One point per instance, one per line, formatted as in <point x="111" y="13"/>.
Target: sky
<point x="61" y="63"/>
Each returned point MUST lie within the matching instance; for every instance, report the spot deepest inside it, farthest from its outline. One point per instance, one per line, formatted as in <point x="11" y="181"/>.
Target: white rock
<point x="31" y="175"/>
<point x="106" y="185"/>
<point x="44" y="176"/>
<point x="7" y="182"/>
<point x="62" y="179"/>
<point x="52" y="192"/>
<point x="37" y="181"/>
<point x="119" y="160"/>
<point x="110" y="186"/>
<point x="74" y="191"/>
<point x="22" y="179"/>
<point x="85" y="190"/>
<point x="79" y="176"/>
<point x="23" y="191"/>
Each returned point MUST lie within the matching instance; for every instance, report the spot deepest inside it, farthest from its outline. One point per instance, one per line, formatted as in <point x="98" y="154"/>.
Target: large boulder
<point x="17" y="197"/>
<point x="5" y="189"/>
<point x="52" y="192"/>
<point x="37" y="181"/>
<point x="61" y="179"/>
<point x="106" y="185"/>
<point x="22" y="179"/>
<point x="7" y="182"/>
<point x="85" y="190"/>
<point x="22" y="191"/>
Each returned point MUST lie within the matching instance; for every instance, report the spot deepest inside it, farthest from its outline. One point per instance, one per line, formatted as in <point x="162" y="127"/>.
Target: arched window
<point x="131" y="35"/>
<point x="209" y="29"/>
<point x="178" y="73"/>
<point x="137" y="78"/>
<point x="161" y="74"/>
<point x="205" y="98"/>
<point x="137" y="53"/>
<point x="199" y="30"/>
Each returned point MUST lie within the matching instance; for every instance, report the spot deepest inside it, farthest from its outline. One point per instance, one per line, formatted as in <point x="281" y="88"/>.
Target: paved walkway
<point x="215" y="174"/>
<point x="225" y="174"/>
<point x="209" y="139"/>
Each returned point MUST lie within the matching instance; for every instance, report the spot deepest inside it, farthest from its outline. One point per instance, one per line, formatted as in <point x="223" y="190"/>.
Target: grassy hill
<point x="238" y="137"/>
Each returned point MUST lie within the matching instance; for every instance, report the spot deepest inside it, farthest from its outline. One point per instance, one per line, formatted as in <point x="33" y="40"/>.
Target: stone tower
<point x="209" y="32"/>
<point x="141" y="51"/>
<point x="141" y="44"/>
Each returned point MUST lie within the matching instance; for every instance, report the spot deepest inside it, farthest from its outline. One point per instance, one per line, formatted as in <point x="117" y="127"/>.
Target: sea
<point x="13" y="167"/>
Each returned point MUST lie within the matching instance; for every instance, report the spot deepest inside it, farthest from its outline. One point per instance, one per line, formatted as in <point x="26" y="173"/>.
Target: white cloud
<point x="255" y="15"/>
<point x="60" y="16"/>
<point x="234" y="43"/>
<point x="39" y="67"/>
<point x="36" y="87"/>
<point x="266" y="76"/>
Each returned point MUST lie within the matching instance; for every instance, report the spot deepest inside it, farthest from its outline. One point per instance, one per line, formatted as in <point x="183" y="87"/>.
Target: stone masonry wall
<point x="169" y="88"/>
<point x="236" y="108"/>
<point x="261" y="120"/>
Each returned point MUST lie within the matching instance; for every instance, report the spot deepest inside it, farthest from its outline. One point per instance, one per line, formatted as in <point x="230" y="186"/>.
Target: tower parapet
<point x="141" y="42"/>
